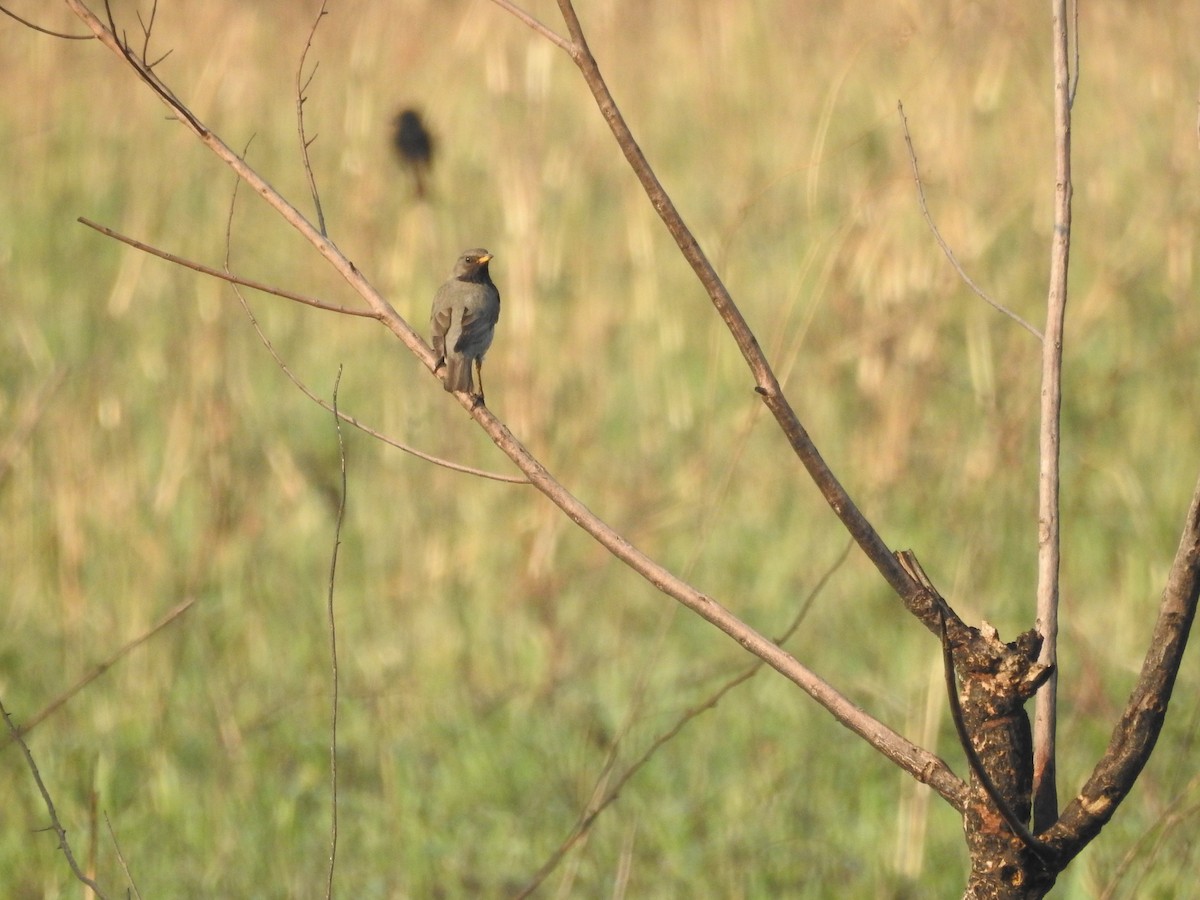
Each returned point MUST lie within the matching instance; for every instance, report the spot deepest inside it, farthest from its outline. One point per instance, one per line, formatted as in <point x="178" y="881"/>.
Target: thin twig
<point x="227" y="275"/>
<point x="55" y="824"/>
<point x="100" y="668"/>
<point x="144" y="69"/>
<point x="333" y="657"/>
<point x="93" y="820"/>
<point x="1075" y="44"/>
<point x="147" y="28"/>
<point x="57" y="34"/>
<point x="606" y="793"/>
<point x="1146" y="849"/>
<point x="121" y="857"/>
<point x="937" y="235"/>
<point x="1045" y="788"/>
<point x="546" y="32"/>
<point x="301" y="99"/>
<point x="583" y="826"/>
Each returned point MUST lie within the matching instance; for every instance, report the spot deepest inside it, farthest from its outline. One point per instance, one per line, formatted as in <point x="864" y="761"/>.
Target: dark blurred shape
<point x="415" y="146"/>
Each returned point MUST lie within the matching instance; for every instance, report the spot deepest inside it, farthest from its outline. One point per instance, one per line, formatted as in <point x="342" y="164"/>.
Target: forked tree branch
<point x="920" y="763"/>
<point x="1134" y="736"/>
<point x="1138" y="730"/>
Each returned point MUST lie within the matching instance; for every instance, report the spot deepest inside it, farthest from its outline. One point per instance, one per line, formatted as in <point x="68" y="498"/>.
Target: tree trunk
<point x="997" y="680"/>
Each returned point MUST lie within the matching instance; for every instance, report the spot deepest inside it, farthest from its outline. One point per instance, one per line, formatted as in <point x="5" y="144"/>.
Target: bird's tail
<point x="458" y="374"/>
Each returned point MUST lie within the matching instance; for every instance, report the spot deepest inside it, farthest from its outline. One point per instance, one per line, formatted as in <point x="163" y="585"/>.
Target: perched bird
<point x="414" y="144"/>
<point x="463" y="320"/>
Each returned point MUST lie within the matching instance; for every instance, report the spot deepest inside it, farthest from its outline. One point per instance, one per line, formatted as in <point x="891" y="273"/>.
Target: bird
<point x="414" y="144"/>
<point x="463" y="320"/>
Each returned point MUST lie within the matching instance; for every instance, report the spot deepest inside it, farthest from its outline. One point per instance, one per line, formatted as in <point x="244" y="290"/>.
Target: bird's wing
<point x="439" y="321"/>
<point x="480" y="317"/>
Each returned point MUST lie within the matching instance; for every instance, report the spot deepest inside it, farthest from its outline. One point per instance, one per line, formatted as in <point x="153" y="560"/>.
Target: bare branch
<point x="121" y="857"/>
<point x="549" y="34"/>
<point x="1135" y="735"/>
<point x="144" y="69"/>
<point x="606" y="797"/>
<point x="301" y="99"/>
<point x="333" y="657"/>
<point x="920" y="602"/>
<point x="100" y="668"/>
<point x="63" y="843"/>
<point x="57" y="34"/>
<point x="1075" y="48"/>
<point x="226" y="275"/>
<point x="613" y="791"/>
<point x="147" y="28"/>
<point x="1045" y="790"/>
<point x="980" y="292"/>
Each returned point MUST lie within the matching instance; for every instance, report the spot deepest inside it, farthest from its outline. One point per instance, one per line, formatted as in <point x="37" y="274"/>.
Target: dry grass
<point x="491" y="652"/>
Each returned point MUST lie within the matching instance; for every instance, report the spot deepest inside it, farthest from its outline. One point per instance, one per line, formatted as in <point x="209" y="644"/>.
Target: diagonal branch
<point x="226" y="275"/>
<point x="1136" y="733"/>
<point x="920" y="763"/>
<point x="103" y="666"/>
<point x="57" y="34"/>
<point x="926" y="606"/>
<point x="121" y="858"/>
<point x="937" y="235"/>
<point x="548" y="33"/>
<point x="606" y="793"/>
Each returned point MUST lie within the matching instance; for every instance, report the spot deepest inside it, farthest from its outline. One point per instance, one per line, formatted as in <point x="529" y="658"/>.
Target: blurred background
<point x="491" y="656"/>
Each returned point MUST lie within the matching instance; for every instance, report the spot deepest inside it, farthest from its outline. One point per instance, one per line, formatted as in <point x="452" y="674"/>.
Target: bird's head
<point x="473" y="265"/>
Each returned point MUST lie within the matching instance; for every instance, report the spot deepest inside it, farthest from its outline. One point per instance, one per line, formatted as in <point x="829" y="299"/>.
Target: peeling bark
<point x="997" y="680"/>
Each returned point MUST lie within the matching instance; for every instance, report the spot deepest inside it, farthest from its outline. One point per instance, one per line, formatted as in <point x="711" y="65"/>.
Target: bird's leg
<point x="479" y="379"/>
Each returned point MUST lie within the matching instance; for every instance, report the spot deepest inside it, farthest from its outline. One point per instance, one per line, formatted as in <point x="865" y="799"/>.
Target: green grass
<point x="489" y="652"/>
